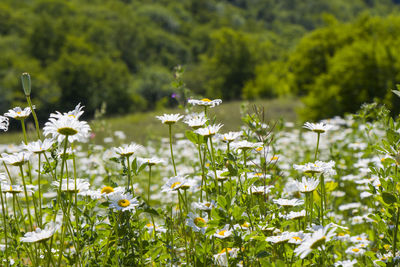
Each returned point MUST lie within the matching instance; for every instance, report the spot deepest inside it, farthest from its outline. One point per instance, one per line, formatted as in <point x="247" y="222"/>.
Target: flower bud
<point x="26" y="83"/>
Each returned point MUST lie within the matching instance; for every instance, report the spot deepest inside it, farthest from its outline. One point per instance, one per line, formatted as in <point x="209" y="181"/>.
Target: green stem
<point x="24" y="132"/>
<point x="212" y="154"/>
<point x="40" y="194"/>
<point x="3" y="209"/>
<point x="28" y="98"/>
<point x="129" y="173"/>
<point x="148" y="187"/>
<point x="316" y="150"/>
<point x="395" y="232"/>
<point x="26" y="197"/>
<point x="170" y="145"/>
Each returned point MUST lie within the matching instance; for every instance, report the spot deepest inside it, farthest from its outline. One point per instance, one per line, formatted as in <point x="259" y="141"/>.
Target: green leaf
<point x="222" y="201"/>
<point x="389" y="198"/>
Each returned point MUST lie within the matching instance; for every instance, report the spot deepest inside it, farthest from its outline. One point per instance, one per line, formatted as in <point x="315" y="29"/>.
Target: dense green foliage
<point x="123" y="52"/>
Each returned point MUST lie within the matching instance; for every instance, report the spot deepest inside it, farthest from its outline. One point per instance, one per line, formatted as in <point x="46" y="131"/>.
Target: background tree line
<point x="335" y="54"/>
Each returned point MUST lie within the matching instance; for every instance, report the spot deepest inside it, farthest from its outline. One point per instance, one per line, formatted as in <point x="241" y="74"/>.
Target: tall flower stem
<point x="395" y="233"/>
<point x="202" y="170"/>
<point x="170" y="145"/>
<point x="316" y="150"/>
<point x="3" y="209"/>
<point x="148" y="187"/>
<point x="76" y="208"/>
<point x="26" y="197"/>
<point x="213" y="162"/>
<point x="40" y="194"/>
<point x="129" y="173"/>
<point x="28" y="99"/>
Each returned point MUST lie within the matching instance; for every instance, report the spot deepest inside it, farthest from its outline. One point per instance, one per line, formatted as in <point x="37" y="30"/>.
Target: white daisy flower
<point x="307" y="184"/>
<point x="150" y="161"/>
<point x="317" y="167"/>
<point x="67" y="126"/>
<point x="230" y="137"/>
<point x="39" y="235"/>
<point x="204" y="206"/>
<point x="223" y="233"/>
<point x="293" y="215"/>
<point x="18" y="113"/>
<point x="355" y="251"/>
<point x="297" y="237"/>
<point x="4" y="123"/>
<point x="39" y="146"/>
<point x="244" y="145"/>
<point x="150" y="228"/>
<point x="279" y="239"/>
<point x="169" y="118"/>
<point x="197" y="223"/>
<point x="122" y="201"/>
<point x="288" y="202"/>
<point x="195" y="120"/>
<point x="128" y="150"/>
<point x="315" y="240"/>
<point x="260" y="190"/>
<point x="346" y="263"/>
<point x="68" y="185"/>
<point x="221" y="258"/>
<point x="209" y="130"/>
<point x="205" y="102"/>
<point x="76" y="113"/>
<point x="317" y="127"/>
<point x="16" y="159"/>
<point x="174" y="183"/>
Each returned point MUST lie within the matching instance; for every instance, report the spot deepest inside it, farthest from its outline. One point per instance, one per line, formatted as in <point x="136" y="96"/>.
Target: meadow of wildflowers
<point x="325" y="194"/>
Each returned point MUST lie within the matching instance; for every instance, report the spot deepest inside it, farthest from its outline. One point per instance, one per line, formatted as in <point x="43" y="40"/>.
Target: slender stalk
<point x="395" y="232"/>
<point x="170" y="145"/>
<point x="24" y="132"/>
<point x="28" y="99"/>
<point x="26" y="197"/>
<point x="129" y="173"/>
<point x="40" y="194"/>
<point x="148" y="187"/>
<point x="3" y="209"/>
<point x="316" y="150"/>
<point x="212" y="154"/>
<point x="76" y="209"/>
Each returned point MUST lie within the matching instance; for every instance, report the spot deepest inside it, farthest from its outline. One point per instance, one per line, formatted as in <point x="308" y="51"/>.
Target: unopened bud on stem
<point x="26" y="83"/>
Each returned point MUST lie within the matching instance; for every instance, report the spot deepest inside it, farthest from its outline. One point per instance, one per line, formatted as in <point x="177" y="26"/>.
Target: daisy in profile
<point x="245" y="145"/>
<point x="317" y="127"/>
<point x="173" y="184"/>
<point x="279" y="239"/>
<point x="317" y="167"/>
<point x="294" y="215"/>
<point x="76" y="113"/>
<point x="205" y="102"/>
<point x="39" y="147"/>
<point x="315" y="240"/>
<point x="223" y="233"/>
<point x="355" y="251"/>
<point x="150" y="228"/>
<point x="347" y="263"/>
<point x="64" y="126"/>
<point x="209" y="130"/>
<point x="230" y="137"/>
<point x="122" y="201"/>
<point x="16" y="159"/>
<point x="221" y="258"/>
<point x="195" y="121"/>
<point x="288" y="202"/>
<point x="128" y="150"/>
<point x="68" y="185"/>
<point x="150" y="161"/>
<point x="260" y="190"/>
<point x="39" y="235"/>
<point x="169" y="118"/>
<point x="307" y="184"/>
<point x="18" y="113"/>
<point x="204" y="206"/>
<point x="4" y="123"/>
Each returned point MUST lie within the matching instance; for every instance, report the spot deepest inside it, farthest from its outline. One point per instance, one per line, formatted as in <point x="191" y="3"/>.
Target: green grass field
<point x="141" y="127"/>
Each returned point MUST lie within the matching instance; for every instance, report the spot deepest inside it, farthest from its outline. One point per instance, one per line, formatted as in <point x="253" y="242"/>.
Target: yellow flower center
<point x="149" y="225"/>
<point x="359" y="238"/>
<point x="107" y="190"/>
<point x="175" y="184"/>
<point x="318" y="243"/>
<point x="340" y="234"/>
<point x="200" y="222"/>
<point x="67" y="131"/>
<point x="259" y="148"/>
<point x="206" y="100"/>
<point x="207" y="205"/>
<point x="386" y="246"/>
<point x="224" y="250"/>
<point x="73" y="116"/>
<point x="275" y="158"/>
<point x="19" y="112"/>
<point x="124" y="203"/>
<point x="222" y="233"/>
<point x="296" y="238"/>
<point x="246" y="225"/>
<point x="382" y="159"/>
<point x="355" y="250"/>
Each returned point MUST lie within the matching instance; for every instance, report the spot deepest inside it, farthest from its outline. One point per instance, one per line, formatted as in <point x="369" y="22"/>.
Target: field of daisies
<point x="322" y="194"/>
